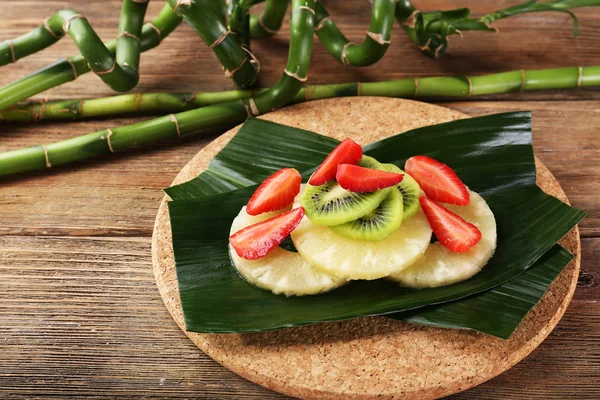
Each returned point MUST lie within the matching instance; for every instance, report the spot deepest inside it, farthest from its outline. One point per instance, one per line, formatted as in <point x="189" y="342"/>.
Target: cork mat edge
<point x="164" y="271"/>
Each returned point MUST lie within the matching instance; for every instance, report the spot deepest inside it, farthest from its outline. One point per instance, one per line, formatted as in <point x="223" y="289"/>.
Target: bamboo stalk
<point x="239" y="63"/>
<point x="66" y="70"/>
<point x="174" y="125"/>
<point x="375" y="44"/>
<point x="436" y="87"/>
<point x="120" y="73"/>
<point x="270" y="21"/>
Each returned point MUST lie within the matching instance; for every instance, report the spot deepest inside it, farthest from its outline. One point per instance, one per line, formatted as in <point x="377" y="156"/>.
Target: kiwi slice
<point x="410" y="190"/>
<point x="330" y="204"/>
<point x="378" y="224"/>
<point x="370" y="162"/>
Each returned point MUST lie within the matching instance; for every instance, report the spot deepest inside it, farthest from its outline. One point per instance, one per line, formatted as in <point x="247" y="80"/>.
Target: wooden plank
<point x="543" y="40"/>
<point x="119" y="194"/>
<point x="81" y="316"/>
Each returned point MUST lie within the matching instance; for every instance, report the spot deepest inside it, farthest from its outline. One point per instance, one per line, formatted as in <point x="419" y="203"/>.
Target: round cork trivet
<point x="371" y="357"/>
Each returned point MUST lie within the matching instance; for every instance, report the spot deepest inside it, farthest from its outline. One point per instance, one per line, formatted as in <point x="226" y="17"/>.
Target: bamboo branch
<point x="120" y="73"/>
<point x="375" y="44"/>
<point x="174" y="125"/>
<point x="239" y="63"/>
<point x="233" y="112"/>
<point x="66" y="70"/>
<point x="430" y="29"/>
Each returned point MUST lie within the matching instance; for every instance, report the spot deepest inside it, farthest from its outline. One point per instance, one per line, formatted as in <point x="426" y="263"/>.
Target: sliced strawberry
<point x="438" y="181"/>
<point x="276" y="192"/>
<point x="360" y="179"/>
<point x="451" y="230"/>
<point x="347" y="152"/>
<point x="256" y="241"/>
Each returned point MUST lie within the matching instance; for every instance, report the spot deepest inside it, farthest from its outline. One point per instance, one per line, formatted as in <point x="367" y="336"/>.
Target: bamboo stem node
<point x="220" y="39"/>
<point x="246" y="108"/>
<point x="109" y="133"/>
<point x="229" y="74"/>
<point x="155" y="29"/>
<point x="295" y="76"/>
<point x="174" y="120"/>
<point x="138" y="101"/>
<point x="11" y="46"/>
<point x="108" y="71"/>
<point x="73" y="68"/>
<point x="322" y="23"/>
<point x="131" y="35"/>
<point x="305" y="8"/>
<point x="357" y="89"/>
<point x="253" y="59"/>
<point x="470" y="86"/>
<point x="253" y="107"/>
<point x="308" y="92"/>
<point x="579" y="76"/>
<point x="182" y="3"/>
<point x="416" y="80"/>
<point x="523" y="80"/>
<point x="50" y="31"/>
<point x="68" y="21"/>
<point x="48" y="164"/>
<point x="344" y="56"/>
<point x="266" y="28"/>
<point x="378" y="37"/>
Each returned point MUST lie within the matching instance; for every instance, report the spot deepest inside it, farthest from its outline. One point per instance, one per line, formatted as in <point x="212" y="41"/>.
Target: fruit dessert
<point x="359" y="219"/>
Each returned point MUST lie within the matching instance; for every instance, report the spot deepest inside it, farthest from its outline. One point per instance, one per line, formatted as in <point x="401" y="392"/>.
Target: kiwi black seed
<point x="378" y="224"/>
<point x="410" y="190"/>
<point x="330" y="204"/>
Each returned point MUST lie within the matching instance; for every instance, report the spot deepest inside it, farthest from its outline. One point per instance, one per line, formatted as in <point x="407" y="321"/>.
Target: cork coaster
<point x="370" y="357"/>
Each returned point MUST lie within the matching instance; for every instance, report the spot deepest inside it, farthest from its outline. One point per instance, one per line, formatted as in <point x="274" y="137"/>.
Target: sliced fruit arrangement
<point x="362" y="259"/>
<point x="440" y="266"/>
<point x="359" y="219"/>
<point x="280" y="271"/>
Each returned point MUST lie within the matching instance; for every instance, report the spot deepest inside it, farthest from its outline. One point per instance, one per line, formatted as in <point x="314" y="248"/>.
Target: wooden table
<point x="80" y="314"/>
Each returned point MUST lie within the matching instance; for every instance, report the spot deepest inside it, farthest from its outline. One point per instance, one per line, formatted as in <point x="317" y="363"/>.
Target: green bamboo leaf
<point x="492" y="154"/>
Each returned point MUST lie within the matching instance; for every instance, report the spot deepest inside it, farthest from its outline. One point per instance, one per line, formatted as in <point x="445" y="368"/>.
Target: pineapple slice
<point x="281" y="271"/>
<point x="356" y="259"/>
<point x="439" y="266"/>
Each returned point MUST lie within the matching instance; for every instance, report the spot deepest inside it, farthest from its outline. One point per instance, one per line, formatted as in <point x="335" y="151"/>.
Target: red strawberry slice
<point x="360" y="179"/>
<point x="451" y="230"/>
<point x="438" y="181"/>
<point x="276" y="192"/>
<point x="256" y="241"/>
<point x="347" y="152"/>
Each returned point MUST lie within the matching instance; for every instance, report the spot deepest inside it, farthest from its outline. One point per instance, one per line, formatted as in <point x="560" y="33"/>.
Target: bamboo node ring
<point x="358" y="89"/>
<point x="47" y="157"/>
<point x="138" y="101"/>
<point x="470" y="86"/>
<point x="295" y="76"/>
<point x="579" y="76"/>
<point x="50" y="31"/>
<point x="378" y="37"/>
<point x="220" y="39"/>
<point x="306" y="8"/>
<point x="174" y="120"/>
<point x="107" y="71"/>
<point x="253" y="59"/>
<point x="322" y="23"/>
<point x="523" y="80"/>
<point x="158" y="33"/>
<point x="344" y="56"/>
<point x="253" y="107"/>
<point x="73" y="68"/>
<point x="12" y="50"/>
<point x="229" y="74"/>
<point x="182" y="3"/>
<point x="246" y="108"/>
<point x="68" y="21"/>
<point x="265" y="28"/>
<point x="109" y="134"/>
<point x="308" y="91"/>
<point x="131" y="35"/>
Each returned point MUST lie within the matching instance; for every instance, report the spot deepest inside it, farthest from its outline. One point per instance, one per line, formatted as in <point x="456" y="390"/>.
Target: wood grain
<point x="79" y="311"/>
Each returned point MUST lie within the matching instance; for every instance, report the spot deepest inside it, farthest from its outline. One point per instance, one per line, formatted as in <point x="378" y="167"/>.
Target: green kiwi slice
<point x="370" y="162"/>
<point x="378" y="224"/>
<point x="330" y="204"/>
<point x="410" y="190"/>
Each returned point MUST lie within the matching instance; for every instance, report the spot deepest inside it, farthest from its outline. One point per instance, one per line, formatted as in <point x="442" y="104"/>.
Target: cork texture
<point x="370" y="357"/>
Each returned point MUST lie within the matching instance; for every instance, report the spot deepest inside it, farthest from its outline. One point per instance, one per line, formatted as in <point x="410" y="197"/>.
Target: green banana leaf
<point x="492" y="154"/>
